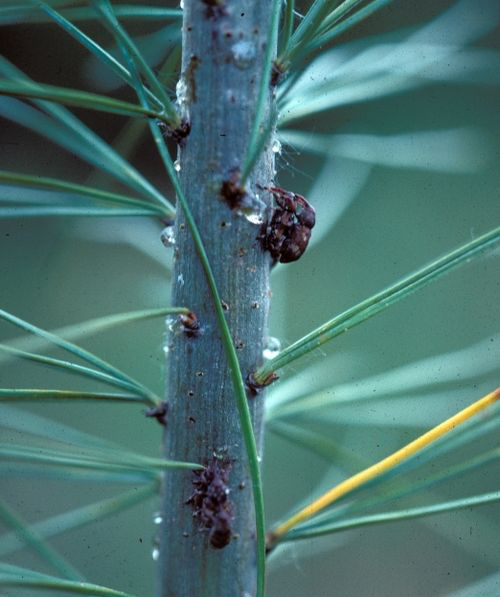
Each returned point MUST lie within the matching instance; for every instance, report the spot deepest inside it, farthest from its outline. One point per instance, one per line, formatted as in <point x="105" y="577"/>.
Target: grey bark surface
<point x="221" y="66"/>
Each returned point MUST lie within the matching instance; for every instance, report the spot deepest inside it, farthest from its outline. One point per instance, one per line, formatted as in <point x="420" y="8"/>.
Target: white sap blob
<point x="272" y="348"/>
<point x="243" y="53"/>
<point x="167" y="236"/>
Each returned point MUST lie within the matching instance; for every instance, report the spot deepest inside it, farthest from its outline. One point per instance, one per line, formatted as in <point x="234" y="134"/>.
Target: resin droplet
<point x="243" y="53"/>
<point x="167" y="236"/>
<point x="155" y="553"/>
<point x="272" y="348"/>
<point x="170" y="323"/>
<point x="253" y="208"/>
<point x="177" y="165"/>
<point x="276" y="147"/>
<point x="255" y="218"/>
<point x="181" y="91"/>
<point x="187" y="324"/>
<point x="157" y="518"/>
<point x="181" y="4"/>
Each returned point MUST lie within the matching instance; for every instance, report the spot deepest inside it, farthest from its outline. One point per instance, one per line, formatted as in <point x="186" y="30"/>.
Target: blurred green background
<point x="382" y="213"/>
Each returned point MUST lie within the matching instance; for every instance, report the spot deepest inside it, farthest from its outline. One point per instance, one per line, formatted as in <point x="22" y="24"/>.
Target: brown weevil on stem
<point x="286" y="235"/>
<point x="210" y="502"/>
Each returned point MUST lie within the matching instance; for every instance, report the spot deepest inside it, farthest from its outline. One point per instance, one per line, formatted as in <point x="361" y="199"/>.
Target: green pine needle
<point x="98" y="51"/>
<point x="65" y="129"/>
<point x="13" y="576"/>
<point x="79" y="517"/>
<point x="259" y="130"/>
<point x="29" y="536"/>
<point x="83" y="354"/>
<point x="92" y="460"/>
<point x="310" y="531"/>
<point x="377" y="303"/>
<point x="111" y="22"/>
<point x="38" y="395"/>
<point x="76" y="97"/>
<point x="67" y="212"/>
<point x="63" y="186"/>
<point x="24" y="13"/>
<point x="83" y="329"/>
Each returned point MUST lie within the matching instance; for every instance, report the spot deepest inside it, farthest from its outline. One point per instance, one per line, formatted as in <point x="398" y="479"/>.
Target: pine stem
<point x="223" y="56"/>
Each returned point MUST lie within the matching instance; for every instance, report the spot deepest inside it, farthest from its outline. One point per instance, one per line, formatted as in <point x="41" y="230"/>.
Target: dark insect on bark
<point x="286" y="235"/>
<point x="210" y="502"/>
<point x="220" y="534"/>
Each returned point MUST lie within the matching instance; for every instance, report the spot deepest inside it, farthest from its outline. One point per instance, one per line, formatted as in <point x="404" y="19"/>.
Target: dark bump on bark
<point x="215" y="9"/>
<point x="194" y="62"/>
<point x="277" y="73"/>
<point x="224" y="305"/>
<point x="179" y="134"/>
<point x="269" y="546"/>
<point x="159" y="413"/>
<point x="231" y="191"/>
<point x="190" y="325"/>
<point x="254" y="388"/>
<point x="212" y="508"/>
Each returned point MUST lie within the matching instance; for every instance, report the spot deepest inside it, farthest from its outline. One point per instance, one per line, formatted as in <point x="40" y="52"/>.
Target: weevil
<point x="286" y="235"/>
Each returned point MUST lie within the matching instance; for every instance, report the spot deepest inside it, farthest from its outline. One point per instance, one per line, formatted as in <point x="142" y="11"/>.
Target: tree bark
<point x="223" y="50"/>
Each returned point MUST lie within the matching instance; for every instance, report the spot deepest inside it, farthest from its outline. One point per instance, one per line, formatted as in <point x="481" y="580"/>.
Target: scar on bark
<point x="159" y="413"/>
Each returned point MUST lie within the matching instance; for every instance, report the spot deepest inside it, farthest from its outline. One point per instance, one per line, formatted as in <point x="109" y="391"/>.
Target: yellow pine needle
<point x="380" y="467"/>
